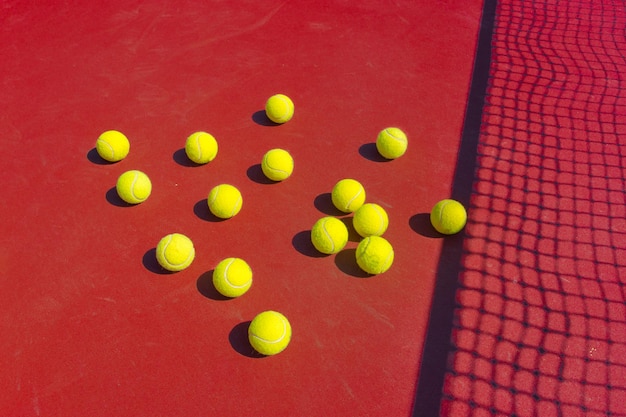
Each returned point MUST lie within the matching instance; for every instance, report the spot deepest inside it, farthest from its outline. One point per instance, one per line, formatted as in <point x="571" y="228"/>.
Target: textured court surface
<point x="540" y="321"/>
<point x="91" y="326"/>
<point x="517" y="108"/>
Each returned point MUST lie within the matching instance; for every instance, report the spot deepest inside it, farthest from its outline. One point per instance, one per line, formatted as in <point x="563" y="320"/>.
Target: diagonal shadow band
<point x="437" y="345"/>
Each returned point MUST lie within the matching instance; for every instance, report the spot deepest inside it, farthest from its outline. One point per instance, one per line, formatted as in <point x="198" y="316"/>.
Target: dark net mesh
<point x="540" y="317"/>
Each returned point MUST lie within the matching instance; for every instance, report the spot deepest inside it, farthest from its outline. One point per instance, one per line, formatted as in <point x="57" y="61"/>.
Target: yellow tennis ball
<point x="175" y="252"/>
<point x="277" y="164"/>
<point x="269" y="333"/>
<point x="112" y="146"/>
<point x="374" y="255"/>
<point x="201" y="147"/>
<point x="370" y="220"/>
<point x="225" y="201"/>
<point x="348" y="195"/>
<point x="279" y="108"/>
<point x="448" y="217"/>
<point x="391" y="143"/>
<point x="133" y="187"/>
<point x="329" y="235"/>
<point x="232" y="277"/>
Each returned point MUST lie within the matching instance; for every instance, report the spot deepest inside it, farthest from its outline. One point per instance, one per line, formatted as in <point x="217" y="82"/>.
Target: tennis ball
<point x="279" y="108"/>
<point x="348" y="195"/>
<point x="133" y="187"/>
<point x="277" y="164"/>
<point x="201" y="147"/>
<point x="370" y="220"/>
<point x="329" y="235"/>
<point x="112" y="146"/>
<point x="232" y="277"/>
<point x="269" y="333"/>
<point x="225" y="201"/>
<point x="448" y="217"/>
<point x="374" y="255"/>
<point x="175" y="252"/>
<point x="391" y="143"/>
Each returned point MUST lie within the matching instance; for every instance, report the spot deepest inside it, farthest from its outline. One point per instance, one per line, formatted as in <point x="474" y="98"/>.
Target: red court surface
<point x="91" y="326"/>
<point x="515" y="108"/>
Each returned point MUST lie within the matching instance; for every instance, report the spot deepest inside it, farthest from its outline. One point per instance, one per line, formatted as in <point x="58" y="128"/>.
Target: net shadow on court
<point x="529" y="309"/>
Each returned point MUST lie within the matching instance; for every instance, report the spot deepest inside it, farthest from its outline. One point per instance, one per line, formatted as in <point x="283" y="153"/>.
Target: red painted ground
<point x="90" y="325"/>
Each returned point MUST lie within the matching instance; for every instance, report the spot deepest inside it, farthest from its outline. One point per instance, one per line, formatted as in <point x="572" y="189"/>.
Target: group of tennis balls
<point x="269" y="332"/>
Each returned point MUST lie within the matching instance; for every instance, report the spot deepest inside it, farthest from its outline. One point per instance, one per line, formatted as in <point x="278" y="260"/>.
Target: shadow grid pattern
<point x="540" y="318"/>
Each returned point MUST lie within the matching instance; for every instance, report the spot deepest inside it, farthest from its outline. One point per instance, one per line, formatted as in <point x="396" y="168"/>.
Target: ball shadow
<point x="205" y="286"/>
<point x="260" y="118"/>
<point x="238" y="338"/>
<point x="151" y="264"/>
<point x="181" y="158"/>
<point x="369" y="151"/>
<point x="353" y="236"/>
<point x="302" y="243"/>
<point x="346" y="262"/>
<point x="420" y="223"/>
<point x="94" y="157"/>
<point x="255" y="173"/>
<point x="114" y="199"/>
<point x="201" y="210"/>
<point x="324" y="203"/>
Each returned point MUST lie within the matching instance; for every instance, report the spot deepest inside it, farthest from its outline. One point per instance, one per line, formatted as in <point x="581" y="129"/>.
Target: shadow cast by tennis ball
<point x="205" y="286"/>
<point x="346" y="262"/>
<point x="94" y="157"/>
<point x="324" y="203"/>
<point x="181" y="158"/>
<point x="420" y="223"/>
<point x="353" y="236"/>
<point x="238" y="338"/>
<point x="114" y="199"/>
<point x="201" y="210"/>
<point x="370" y="152"/>
<point x="302" y="243"/>
<point x="151" y="264"/>
<point x="255" y="174"/>
<point x="260" y="118"/>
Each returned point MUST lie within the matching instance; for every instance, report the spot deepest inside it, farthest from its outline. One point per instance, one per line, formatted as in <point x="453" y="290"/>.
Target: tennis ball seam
<point x="267" y="164"/>
<point x="279" y="108"/>
<point x="383" y="265"/>
<point x="364" y="249"/>
<point x="235" y="206"/>
<point x="132" y="188"/>
<point x="112" y="149"/>
<point x="381" y="223"/>
<point x="352" y="199"/>
<point x="167" y="261"/>
<point x="197" y="140"/>
<point x="283" y="115"/>
<point x="225" y="275"/>
<point x="348" y="195"/>
<point x="381" y="219"/>
<point x="328" y="235"/>
<point x="212" y="200"/>
<point x="165" y="245"/>
<point x="400" y="139"/>
<point x="282" y="337"/>
<point x="443" y="206"/>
